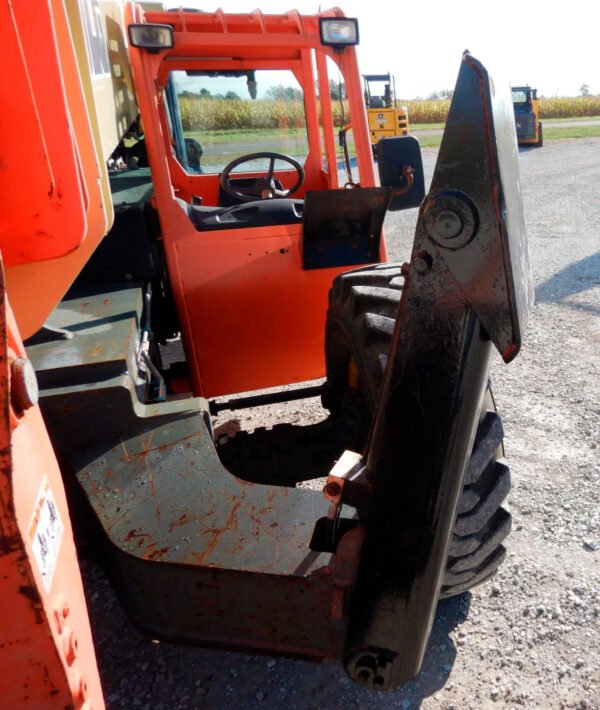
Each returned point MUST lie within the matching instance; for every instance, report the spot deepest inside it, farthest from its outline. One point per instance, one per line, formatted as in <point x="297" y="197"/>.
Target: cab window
<point x="217" y="117"/>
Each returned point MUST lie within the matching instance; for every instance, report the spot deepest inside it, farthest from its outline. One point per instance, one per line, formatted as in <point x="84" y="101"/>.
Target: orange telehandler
<point x="205" y="220"/>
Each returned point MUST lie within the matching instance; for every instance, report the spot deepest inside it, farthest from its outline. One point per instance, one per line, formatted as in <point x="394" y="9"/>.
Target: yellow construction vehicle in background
<point x="386" y="118"/>
<point x="527" y="116"/>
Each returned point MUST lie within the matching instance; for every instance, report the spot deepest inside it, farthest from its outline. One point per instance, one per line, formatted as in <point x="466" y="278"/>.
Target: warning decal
<point x="45" y="533"/>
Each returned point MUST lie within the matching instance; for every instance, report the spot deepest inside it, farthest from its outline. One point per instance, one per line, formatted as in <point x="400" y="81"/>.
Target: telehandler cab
<point x="244" y="242"/>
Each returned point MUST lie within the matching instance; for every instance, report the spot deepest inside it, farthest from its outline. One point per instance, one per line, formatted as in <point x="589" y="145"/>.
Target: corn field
<point x="228" y="114"/>
<point x="570" y="107"/>
<point x="437" y="111"/>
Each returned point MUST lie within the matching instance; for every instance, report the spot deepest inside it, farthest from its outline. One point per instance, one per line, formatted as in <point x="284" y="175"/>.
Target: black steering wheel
<point x="264" y="188"/>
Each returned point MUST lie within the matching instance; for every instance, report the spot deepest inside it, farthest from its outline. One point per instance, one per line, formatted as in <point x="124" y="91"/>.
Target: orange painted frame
<point x="53" y="214"/>
<point x="46" y="649"/>
<point x="251" y="317"/>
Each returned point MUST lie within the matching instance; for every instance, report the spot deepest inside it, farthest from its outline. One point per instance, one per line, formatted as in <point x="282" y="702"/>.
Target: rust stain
<point x="133" y="534"/>
<point x="267" y="509"/>
<point x="162" y="447"/>
<point x="209" y="513"/>
<point x="145" y="444"/>
<point x="156" y="553"/>
<point x="157" y="511"/>
<point x="257" y="522"/>
<point x="135" y="467"/>
<point x="215" y="534"/>
<point x="142" y="456"/>
<point x="127" y="456"/>
<point x="182" y="520"/>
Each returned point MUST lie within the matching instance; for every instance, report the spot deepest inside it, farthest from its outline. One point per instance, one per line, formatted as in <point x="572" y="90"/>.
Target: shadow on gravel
<point x="439" y="657"/>
<point x="576" y="278"/>
<point x="137" y="672"/>
<point x="287" y="454"/>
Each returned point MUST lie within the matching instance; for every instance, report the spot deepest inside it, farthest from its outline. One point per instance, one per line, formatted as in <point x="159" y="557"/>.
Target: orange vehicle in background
<point x="177" y="237"/>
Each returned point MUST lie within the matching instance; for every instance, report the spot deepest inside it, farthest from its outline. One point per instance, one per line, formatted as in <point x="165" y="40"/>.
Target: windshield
<point x="519" y="96"/>
<point x="379" y="93"/>
<point x="215" y="119"/>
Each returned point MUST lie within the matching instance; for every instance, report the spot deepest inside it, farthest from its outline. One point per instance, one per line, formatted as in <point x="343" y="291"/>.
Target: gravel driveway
<point x="531" y="638"/>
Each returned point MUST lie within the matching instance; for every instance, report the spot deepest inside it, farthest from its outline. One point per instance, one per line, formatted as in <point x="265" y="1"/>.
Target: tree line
<point x="273" y="93"/>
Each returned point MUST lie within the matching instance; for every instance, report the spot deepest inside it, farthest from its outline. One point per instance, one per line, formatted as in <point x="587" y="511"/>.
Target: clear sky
<point x="554" y="47"/>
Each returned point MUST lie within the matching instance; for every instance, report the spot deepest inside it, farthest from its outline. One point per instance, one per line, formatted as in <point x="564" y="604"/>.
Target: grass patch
<point x="551" y="133"/>
<point x="571" y="119"/>
<point x="556" y="133"/>
<point x="279" y="137"/>
<point x="425" y="126"/>
<point x="429" y="141"/>
<point x="245" y="135"/>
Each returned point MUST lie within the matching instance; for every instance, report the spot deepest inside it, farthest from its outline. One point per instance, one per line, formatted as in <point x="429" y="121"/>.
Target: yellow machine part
<point x="535" y="138"/>
<point x="387" y="123"/>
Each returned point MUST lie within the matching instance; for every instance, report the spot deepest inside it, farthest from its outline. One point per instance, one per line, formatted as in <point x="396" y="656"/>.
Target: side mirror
<point x="401" y="168"/>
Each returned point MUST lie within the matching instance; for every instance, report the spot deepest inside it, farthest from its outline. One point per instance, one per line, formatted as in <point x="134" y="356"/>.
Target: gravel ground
<point x="531" y="637"/>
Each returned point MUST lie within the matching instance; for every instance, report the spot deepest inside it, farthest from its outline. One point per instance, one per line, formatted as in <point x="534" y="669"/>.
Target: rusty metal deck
<point x="196" y="554"/>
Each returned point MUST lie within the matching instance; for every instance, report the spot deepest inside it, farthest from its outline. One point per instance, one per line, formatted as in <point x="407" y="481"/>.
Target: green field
<point x="266" y="136"/>
<point x="558" y="132"/>
<point x="552" y="132"/>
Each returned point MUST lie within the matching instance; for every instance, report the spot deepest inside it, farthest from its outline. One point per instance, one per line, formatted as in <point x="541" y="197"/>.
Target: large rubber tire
<point x="360" y="321"/>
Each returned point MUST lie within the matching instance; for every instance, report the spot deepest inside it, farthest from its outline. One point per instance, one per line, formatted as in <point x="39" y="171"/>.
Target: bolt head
<point x="448" y="224"/>
<point x="333" y="489"/>
<point x="24" y="390"/>
<point x="422" y="262"/>
<point x="450" y="219"/>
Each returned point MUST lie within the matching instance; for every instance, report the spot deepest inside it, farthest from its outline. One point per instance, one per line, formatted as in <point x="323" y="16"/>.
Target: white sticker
<point x="46" y="532"/>
<point x="95" y="40"/>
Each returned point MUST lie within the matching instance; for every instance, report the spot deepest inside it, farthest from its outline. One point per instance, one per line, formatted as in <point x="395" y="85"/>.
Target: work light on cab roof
<point x="151" y="37"/>
<point x="339" y="32"/>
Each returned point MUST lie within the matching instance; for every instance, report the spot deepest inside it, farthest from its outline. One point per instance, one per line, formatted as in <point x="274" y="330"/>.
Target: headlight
<point x="151" y="37"/>
<point x="342" y="32"/>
